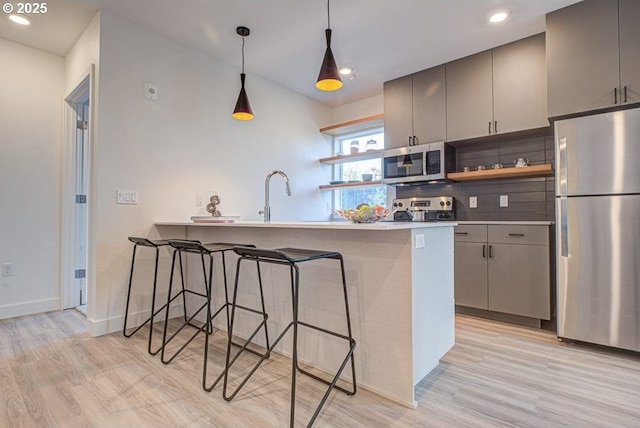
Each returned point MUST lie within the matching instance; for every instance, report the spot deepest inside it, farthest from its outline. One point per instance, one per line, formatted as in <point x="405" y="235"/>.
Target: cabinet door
<point x="520" y="85"/>
<point x="398" y="101"/>
<point x="582" y="57"/>
<point x="429" y="105"/>
<point x="519" y="280"/>
<point x="470" y="275"/>
<point x="630" y="50"/>
<point x="469" y="97"/>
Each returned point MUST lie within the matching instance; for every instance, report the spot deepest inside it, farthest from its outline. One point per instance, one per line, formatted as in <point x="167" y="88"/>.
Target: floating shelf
<point x="527" y="171"/>
<point x="348" y="185"/>
<point x="354" y="125"/>
<point x="371" y="154"/>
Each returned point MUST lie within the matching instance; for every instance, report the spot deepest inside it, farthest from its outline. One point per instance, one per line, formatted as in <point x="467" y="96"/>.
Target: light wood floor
<point x="53" y="374"/>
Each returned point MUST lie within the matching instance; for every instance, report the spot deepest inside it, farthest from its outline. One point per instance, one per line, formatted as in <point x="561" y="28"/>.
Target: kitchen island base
<point x="401" y="297"/>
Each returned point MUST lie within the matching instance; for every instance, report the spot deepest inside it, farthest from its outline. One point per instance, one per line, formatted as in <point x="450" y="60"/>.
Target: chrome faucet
<point x="266" y="212"/>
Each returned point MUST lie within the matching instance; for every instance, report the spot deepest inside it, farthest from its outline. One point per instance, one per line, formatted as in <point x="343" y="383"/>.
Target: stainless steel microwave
<point x="421" y="163"/>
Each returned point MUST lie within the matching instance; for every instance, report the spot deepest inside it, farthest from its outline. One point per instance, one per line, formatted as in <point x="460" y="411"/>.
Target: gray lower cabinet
<point x="504" y="268"/>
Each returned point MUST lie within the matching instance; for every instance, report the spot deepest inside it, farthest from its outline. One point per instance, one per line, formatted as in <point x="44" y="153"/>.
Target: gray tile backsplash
<point x="530" y="199"/>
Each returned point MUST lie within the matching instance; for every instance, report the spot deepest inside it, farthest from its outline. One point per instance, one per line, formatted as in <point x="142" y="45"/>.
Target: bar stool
<point x="292" y="257"/>
<point x="155" y="244"/>
<point x="208" y="250"/>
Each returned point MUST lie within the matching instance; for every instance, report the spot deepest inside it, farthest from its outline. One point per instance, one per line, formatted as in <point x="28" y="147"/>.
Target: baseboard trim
<point x="30" y="308"/>
<point x="111" y="325"/>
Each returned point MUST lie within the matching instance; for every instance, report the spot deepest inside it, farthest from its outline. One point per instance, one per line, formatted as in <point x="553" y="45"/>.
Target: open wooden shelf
<point x="347" y="185"/>
<point x="370" y="154"/>
<point x="527" y="171"/>
<point x="354" y="125"/>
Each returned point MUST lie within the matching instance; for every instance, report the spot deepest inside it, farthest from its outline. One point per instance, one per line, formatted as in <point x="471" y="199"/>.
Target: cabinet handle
<point x="520" y="235"/>
<point x="461" y="233"/>
<point x="615" y="95"/>
<point x="484" y="251"/>
<point x="489" y="127"/>
<point x="410" y="141"/>
<point x="625" y="94"/>
<point x="416" y="141"/>
<point x="490" y="251"/>
<point x="495" y="127"/>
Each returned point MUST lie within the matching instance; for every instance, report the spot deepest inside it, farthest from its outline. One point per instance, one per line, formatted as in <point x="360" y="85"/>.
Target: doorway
<point x="76" y="198"/>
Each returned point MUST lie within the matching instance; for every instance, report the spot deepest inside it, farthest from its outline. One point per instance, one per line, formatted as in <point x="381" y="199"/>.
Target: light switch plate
<point x="473" y="202"/>
<point x="127" y="197"/>
<point x="504" y="200"/>
<point x="420" y="241"/>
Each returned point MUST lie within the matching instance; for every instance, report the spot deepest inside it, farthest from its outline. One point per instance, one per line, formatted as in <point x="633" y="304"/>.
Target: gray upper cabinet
<point x="630" y="50"/>
<point x="519" y="85"/>
<point x="469" y="97"/>
<point x="498" y="91"/>
<point x="593" y="56"/>
<point x="414" y="106"/>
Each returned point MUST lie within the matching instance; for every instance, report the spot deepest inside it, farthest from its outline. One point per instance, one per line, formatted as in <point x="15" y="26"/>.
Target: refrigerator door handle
<point x="562" y="165"/>
<point x="564" y="228"/>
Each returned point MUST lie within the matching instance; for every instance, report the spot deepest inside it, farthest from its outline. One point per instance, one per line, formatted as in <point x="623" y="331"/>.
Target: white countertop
<point x="381" y="225"/>
<point x="522" y="223"/>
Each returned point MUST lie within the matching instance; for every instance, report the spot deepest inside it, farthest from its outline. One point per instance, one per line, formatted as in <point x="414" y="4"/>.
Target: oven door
<point x="404" y="165"/>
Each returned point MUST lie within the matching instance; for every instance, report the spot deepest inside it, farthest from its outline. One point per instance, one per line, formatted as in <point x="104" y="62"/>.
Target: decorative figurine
<point x="212" y="207"/>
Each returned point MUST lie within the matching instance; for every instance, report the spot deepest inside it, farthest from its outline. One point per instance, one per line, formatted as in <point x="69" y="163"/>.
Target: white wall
<point x="186" y="143"/>
<point x="31" y="91"/>
<point x="357" y="110"/>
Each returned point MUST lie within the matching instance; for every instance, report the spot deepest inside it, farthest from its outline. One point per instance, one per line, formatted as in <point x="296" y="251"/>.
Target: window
<point x="359" y="171"/>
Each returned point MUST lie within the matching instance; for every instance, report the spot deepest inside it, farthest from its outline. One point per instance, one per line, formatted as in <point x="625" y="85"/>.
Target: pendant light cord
<point x="242" y="54"/>
<point x="328" y="16"/>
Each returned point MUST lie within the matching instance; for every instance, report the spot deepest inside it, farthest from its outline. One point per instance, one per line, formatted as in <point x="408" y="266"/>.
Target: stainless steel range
<point x="440" y="208"/>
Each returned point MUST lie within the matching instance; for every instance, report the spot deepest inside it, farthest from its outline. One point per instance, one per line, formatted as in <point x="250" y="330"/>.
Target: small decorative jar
<point x="355" y="147"/>
<point x="371" y="145"/>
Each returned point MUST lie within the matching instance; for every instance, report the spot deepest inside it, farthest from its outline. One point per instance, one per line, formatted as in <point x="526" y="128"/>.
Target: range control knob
<point x="442" y="203"/>
<point x="448" y="203"/>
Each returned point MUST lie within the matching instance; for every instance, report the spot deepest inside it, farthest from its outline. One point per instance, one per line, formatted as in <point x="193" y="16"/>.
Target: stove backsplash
<point x="530" y="199"/>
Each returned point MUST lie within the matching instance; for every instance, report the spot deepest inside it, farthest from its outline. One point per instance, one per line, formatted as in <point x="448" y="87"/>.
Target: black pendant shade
<point x="406" y="161"/>
<point x="243" y="107"/>
<point x="329" y="76"/>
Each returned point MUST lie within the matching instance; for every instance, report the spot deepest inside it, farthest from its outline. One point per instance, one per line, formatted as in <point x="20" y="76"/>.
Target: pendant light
<point x="329" y="77"/>
<point x="407" y="162"/>
<point x="243" y="108"/>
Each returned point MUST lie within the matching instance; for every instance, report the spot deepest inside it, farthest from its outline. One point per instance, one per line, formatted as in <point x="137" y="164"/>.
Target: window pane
<point x="353" y="171"/>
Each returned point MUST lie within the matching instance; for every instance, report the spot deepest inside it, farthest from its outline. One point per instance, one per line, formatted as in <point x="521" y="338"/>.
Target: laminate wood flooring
<point x="54" y="374"/>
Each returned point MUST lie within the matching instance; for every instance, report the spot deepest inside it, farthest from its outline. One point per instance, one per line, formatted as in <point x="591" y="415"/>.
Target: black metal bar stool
<point x="292" y="257"/>
<point x="155" y="244"/>
<point x="208" y="250"/>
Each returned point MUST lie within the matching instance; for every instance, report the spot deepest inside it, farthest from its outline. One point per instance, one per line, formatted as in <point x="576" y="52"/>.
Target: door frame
<point x="86" y="83"/>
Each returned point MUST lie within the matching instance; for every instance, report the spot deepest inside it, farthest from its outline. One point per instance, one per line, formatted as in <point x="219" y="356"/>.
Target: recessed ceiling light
<point x="345" y="71"/>
<point x="19" y="19"/>
<point x="499" y="17"/>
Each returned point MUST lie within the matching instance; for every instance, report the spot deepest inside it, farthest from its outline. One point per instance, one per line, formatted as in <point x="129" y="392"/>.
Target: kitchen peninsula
<point x="400" y="285"/>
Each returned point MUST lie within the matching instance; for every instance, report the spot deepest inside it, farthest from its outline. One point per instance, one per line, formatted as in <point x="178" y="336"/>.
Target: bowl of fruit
<point x="363" y="213"/>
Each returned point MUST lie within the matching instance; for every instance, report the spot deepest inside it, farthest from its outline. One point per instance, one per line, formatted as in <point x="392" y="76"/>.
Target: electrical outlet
<point x="473" y="202"/>
<point x="151" y="91"/>
<point x="199" y="199"/>
<point x="7" y="269"/>
<point x="420" y="241"/>
<point x="504" y="200"/>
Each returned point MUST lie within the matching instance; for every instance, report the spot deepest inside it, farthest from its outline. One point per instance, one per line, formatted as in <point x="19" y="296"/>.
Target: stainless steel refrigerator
<point x="598" y="228"/>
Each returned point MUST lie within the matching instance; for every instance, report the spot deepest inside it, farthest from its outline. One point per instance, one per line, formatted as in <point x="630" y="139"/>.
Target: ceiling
<point x="381" y="39"/>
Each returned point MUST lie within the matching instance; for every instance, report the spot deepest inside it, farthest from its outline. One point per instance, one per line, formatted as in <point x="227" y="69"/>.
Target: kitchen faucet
<point x="266" y="212"/>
